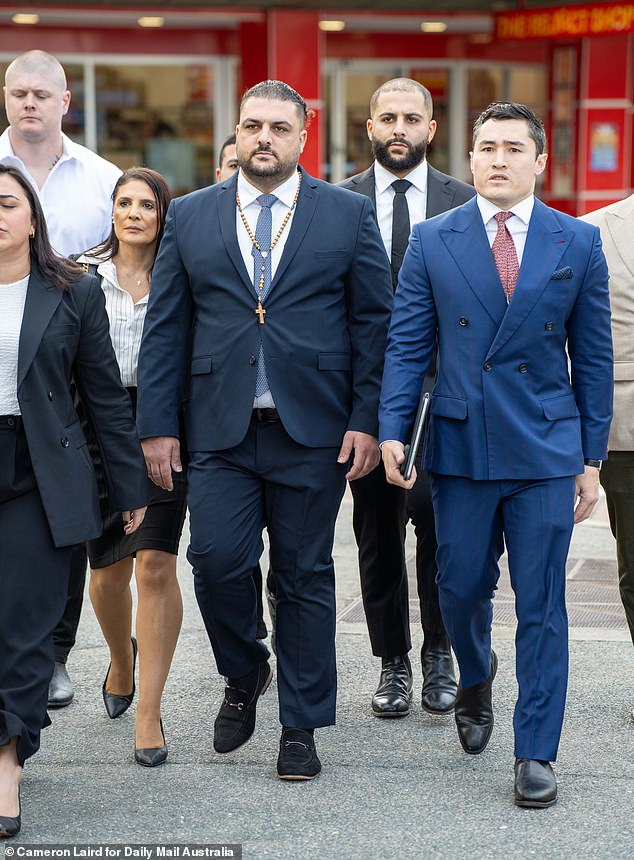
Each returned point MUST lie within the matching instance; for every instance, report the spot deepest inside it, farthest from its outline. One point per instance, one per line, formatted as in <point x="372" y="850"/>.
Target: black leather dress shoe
<point x="535" y="783"/>
<point x="298" y="758"/>
<point x="439" y="679"/>
<point x="117" y="705"/>
<point x="151" y="756"/>
<point x="474" y="712"/>
<point x="10" y="825"/>
<point x="235" y="722"/>
<point x="60" y="688"/>
<point x="394" y="693"/>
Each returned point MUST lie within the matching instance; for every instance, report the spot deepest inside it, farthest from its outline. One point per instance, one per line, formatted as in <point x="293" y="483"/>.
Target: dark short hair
<point x="58" y="270"/>
<point x="162" y="195"/>
<point x="277" y="90"/>
<point x="230" y="141"/>
<point x="513" y="110"/>
<point x="403" y="85"/>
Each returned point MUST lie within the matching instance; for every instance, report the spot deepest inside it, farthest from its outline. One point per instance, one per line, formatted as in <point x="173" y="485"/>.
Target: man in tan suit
<point x="616" y="223"/>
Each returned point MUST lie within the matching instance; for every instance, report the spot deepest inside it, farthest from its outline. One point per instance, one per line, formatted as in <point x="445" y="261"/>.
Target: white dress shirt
<point x="416" y="197"/>
<point x="12" y="301"/>
<point x="517" y="226"/>
<point x="248" y="193"/>
<point x="126" y="319"/>
<point x="76" y="196"/>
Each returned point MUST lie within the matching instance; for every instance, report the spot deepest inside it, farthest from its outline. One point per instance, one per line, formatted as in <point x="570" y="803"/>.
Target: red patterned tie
<point x="505" y="255"/>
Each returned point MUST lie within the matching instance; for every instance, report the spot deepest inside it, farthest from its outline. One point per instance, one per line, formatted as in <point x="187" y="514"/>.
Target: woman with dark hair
<point x="124" y="264"/>
<point x="53" y="333"/>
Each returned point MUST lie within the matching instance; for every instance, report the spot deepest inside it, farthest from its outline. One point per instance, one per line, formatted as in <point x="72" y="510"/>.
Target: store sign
<point x="566" y="21"/>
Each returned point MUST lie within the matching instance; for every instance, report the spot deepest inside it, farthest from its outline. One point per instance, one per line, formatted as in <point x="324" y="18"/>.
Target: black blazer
<point x="324" y="335"/>
<point x="64" y="339"/>
<point x="443" y="192"/>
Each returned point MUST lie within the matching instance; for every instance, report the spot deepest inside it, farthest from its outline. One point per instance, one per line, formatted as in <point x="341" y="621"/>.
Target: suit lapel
<point x="42" y="300"/>
<point x="619" y="225"/>
<point x="439" y="194"/>
<point x="467" y="243"/>
<point x="546" y="243"/>
<point x="227" y="215"/>
<point x="365" y="184"/>
<point x="304" y="211"/>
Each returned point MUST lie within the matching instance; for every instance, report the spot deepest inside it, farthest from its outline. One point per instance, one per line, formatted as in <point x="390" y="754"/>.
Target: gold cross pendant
<point x="260" y="312"/>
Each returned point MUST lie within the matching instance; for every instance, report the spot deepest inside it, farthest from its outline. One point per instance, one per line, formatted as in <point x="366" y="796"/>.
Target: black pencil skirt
<point x="33" y="585"/>
<point x="163" y="523"/>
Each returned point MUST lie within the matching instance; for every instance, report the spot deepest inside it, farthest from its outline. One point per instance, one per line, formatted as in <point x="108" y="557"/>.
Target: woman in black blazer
<point x="53" y="333"/>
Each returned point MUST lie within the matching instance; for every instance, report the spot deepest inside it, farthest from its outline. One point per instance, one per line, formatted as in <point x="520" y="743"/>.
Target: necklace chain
<point x="264" y="254"/>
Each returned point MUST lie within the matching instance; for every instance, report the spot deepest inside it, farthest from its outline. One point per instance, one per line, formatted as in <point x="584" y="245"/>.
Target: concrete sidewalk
<point x="389" y="788"/>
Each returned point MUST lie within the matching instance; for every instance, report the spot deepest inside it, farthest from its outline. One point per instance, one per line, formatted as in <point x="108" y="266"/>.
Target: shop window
<point x="158" y="116"/>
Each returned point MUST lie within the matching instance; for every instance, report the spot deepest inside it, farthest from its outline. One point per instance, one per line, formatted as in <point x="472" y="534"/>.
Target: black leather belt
<point x="263" y="415"/>
<point x="10" y="422"/>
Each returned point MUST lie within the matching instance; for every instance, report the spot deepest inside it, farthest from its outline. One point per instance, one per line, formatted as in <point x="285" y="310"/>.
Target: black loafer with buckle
<point x="298" y="758"/>
<point x="235" y="722"/>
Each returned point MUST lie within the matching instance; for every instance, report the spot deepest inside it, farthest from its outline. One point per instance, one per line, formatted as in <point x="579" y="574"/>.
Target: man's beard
<point x="407" y="161"/>
<point x="275" y="169"/>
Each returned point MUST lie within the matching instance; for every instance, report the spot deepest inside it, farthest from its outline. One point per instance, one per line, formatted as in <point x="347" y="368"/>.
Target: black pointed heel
<point x="151" y="756"/>
<point x="10" y="826"/>
<point x="117" y="705"/>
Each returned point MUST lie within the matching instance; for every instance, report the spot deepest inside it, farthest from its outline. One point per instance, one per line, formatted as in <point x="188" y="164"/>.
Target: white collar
<point x="285" y="192"/>
<point x="70" y="149"/>
<point x="522" y="210"/>
<point x="384" y="179"/>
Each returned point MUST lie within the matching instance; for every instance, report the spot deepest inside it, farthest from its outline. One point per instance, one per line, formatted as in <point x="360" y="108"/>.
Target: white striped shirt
<point x="126" y="319"/>
<point x="12" y="301"/>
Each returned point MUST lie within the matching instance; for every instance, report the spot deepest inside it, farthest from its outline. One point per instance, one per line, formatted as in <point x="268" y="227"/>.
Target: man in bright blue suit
<point x="269" y="312"/>
<point x="512" y="289"/>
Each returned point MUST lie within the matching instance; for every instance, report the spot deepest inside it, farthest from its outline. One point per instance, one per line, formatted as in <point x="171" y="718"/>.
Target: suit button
<point x="523" y="368"/>
<point x="50" y="395"/>
<point x="10" y="422"/>
<point x="252" y="359"/>
<point x="64" y="442"/>
<point x="487" y="367"/>
<point x="463" y="321"/>
<point x="549" y="326"/>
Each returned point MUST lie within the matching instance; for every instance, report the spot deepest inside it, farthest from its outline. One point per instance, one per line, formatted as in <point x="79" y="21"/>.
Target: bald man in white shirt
<point x="74" y="186"/>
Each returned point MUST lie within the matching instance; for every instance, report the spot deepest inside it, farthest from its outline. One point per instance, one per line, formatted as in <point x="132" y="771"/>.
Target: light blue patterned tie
<point x="263" y="230"/>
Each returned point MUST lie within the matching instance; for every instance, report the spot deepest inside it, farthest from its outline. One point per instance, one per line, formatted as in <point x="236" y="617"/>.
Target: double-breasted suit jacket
<point x="65" y="338"/>
<point x="504" y="404"/>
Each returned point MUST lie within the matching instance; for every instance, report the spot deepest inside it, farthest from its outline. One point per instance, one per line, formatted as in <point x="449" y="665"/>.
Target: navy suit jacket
<point x="504" y="405"/>
<point x="327" y="314"/>
<point x="65" y="338"/>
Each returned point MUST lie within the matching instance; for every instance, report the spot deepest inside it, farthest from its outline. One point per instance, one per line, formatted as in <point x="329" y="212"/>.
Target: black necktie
<point x="400" y="225"/>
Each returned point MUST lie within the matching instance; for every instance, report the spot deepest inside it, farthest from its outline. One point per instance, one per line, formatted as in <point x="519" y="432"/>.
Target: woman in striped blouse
<point x="124" y="263"/>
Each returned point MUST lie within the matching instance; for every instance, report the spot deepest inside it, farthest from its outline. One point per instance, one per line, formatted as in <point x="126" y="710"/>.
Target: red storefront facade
<point x="171" y="90"/>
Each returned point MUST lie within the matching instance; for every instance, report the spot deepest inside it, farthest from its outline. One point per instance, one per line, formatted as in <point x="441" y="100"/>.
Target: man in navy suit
<point x="512" y="290"/>
<point x="269" y="310"/>
<point x="400" y="128"/>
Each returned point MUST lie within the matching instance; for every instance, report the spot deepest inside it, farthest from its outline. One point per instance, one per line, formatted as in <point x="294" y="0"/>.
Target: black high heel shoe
<point x="151" y="756"/>
<point x="11" y="826"/>
<point x="117" y="705"/>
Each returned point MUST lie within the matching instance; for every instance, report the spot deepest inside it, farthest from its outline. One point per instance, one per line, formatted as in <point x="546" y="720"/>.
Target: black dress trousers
<point x="33" y="588"/>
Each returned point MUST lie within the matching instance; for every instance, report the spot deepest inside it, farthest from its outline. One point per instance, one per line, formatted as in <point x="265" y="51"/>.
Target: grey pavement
<point x="389" y="788"/>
